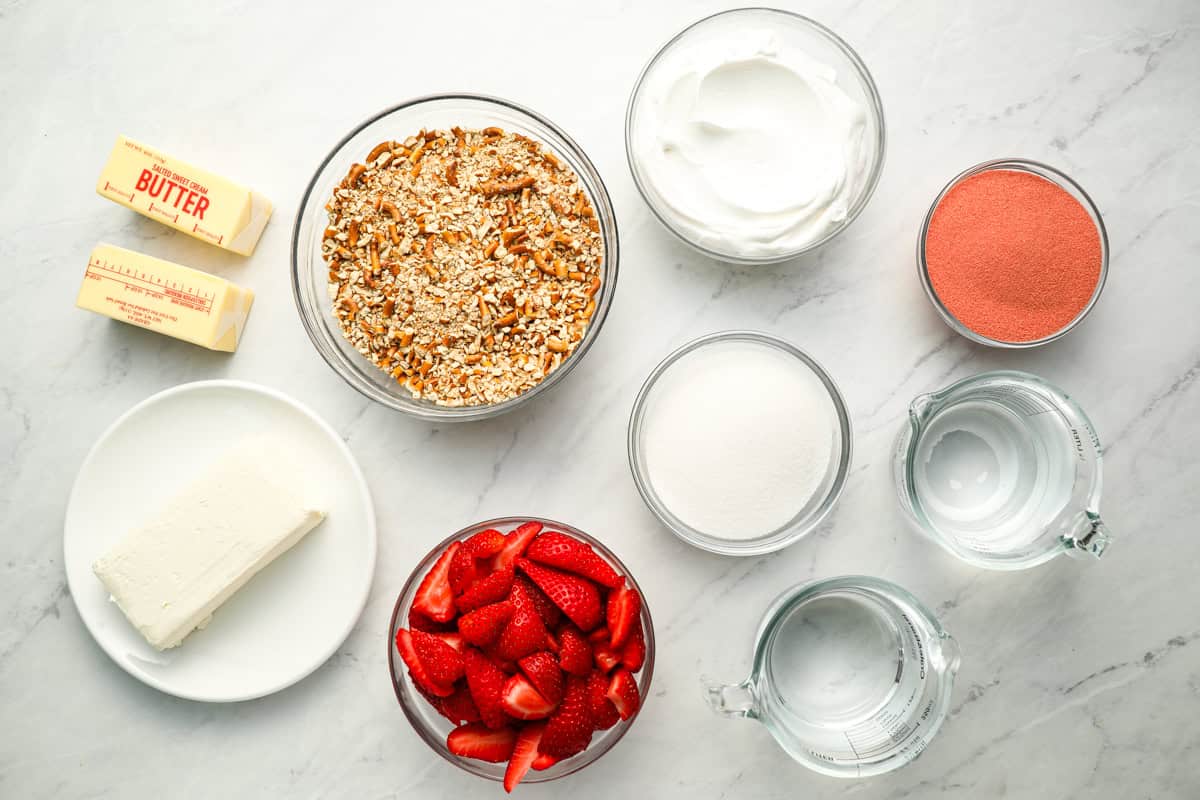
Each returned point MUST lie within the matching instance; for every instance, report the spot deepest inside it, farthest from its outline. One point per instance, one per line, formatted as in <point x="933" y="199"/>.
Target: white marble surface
<point x="1079" y="680"/>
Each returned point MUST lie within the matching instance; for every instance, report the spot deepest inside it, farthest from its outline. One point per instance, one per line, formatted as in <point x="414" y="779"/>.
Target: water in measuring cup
<point x="993" y="470"/>
<point x="851" y="679"/>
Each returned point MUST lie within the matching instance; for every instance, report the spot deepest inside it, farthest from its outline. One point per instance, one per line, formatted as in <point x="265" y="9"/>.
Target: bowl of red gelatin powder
<point x="1013" y="253"/>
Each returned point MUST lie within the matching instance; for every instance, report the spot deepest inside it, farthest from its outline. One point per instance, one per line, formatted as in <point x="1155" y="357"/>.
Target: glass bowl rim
<point x="1046" y="172"/>
<point x="794" y="530"/>
<point x="606" y="217"/>
<point x="875" y="106"/>
<point x="613" y="735"/>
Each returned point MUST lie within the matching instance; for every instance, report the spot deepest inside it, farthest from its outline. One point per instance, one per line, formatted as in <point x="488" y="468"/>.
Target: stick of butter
<point x="187" y="198"/>
<point x="165" y="297"/>
<point x="171" y="574"/>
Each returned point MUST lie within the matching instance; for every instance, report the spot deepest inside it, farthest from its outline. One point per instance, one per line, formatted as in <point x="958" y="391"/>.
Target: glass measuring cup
<point x="1003" y="470"/>
<point x="852" y="676"/>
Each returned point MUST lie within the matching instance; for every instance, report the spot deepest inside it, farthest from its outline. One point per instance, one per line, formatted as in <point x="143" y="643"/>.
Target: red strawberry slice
<point x="624" y="608"/>
<point x="524" y="754"/>
<point x="455" y="640"/>
<point x="603" y="653"/>
<point x="578" y="597"/>
<point x="570" y="727"/>
<point x="604" y="713"/>
<point x="623" y="692"/>
<point x="483" y="626"/>
<point x="434" y="598"/>
<point x="633" y="655"/>
<point x="521" y="701"/>
<point x="492" y="589"/>
<point x="545" y="675"/>
<point x="458" y="707"/>
<point x="477" y="741"/>
<point x="574" y="652"/>
<point x="515" y="544"/>
<point x="525" y="632"/>
<point x="544" y="761"/>
<point x="441" y="662"/>
<point x="486" y="682"/>
<point x="465" y="568"/>
<point x="419" y="622"/>
<point x="416" y="668"/>
<point x="556" y="549"/>
<point x="550" y="613"/>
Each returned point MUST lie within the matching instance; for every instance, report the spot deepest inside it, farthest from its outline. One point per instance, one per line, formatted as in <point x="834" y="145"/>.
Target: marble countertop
<point x="1078" y="680"/>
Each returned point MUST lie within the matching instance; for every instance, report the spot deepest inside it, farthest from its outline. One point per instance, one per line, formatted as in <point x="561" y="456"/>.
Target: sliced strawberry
<point x="544" y="761"/>
<point x="550" y="613"/>
<point x="416" y="668"/>
<point x="486" y="683"/>
<point x="556" y="549"/>
<point x="521" y="701"/>
<point x="578" y="597"/>
<point x="633" y="654"/>
<point x="605" y="656"/>
<point x="483" y="626"/>
<point x="545" y="674"/>
<point x="434" y="598"/>
<point x="465" y="567"/>
<point x="624" y="608"/>
<point x="419" y="622"/>
<point x="604" y="713"/>
<point x="574" y="654"/>
<point x="458" y="707"/>
<point x="475" y="740"/>
<point x="525" y="632"/>
<point x="515" y="544"/>
<point x="570" y="727"/>
<point x="492" y="589"/>
<point x="455" y="640"/>
<point x="441" y="662"/>
<point x="623" y="692"/>
<point x="525" y="752"/>
<point x="551" y="643"/>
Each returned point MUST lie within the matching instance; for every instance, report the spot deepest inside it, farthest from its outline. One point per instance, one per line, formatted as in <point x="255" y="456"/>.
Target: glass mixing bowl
<point x="1059" y="179"/>
<point x="807" y="518"/>
<point x="433" y="727"/>
<point x="310" y="272"/>
<point x="819" y="43"/>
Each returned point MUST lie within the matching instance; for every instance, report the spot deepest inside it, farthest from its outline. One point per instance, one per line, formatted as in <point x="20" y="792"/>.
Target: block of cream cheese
<point x="187" y="198"/>
<point x="171" y="574"/>
<point x="165" y="297"/>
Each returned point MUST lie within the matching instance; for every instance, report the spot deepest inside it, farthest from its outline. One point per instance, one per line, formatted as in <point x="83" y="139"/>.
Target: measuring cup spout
<point x="918" y="409"/>
<point x="1089" y="535"/>
<point x="730" y="700"/>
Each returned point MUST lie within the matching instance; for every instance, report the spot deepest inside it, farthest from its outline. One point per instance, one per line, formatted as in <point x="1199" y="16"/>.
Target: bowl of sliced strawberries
<point x="520" y="650"/>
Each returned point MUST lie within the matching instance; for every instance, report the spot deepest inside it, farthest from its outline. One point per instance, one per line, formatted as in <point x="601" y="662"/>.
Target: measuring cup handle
<point x="732" y="699"/>
<point x="1090" y="535"/>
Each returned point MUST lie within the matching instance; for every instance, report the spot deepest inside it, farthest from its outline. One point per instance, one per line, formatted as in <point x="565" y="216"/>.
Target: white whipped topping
<point x="748" y="144"/>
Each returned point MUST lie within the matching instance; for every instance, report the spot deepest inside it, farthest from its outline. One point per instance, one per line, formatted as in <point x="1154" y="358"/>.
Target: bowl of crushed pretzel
<point x="454" y="257"/>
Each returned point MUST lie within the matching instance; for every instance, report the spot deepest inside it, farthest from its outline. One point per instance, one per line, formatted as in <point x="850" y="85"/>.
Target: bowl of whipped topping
<point x="755" y="135"/>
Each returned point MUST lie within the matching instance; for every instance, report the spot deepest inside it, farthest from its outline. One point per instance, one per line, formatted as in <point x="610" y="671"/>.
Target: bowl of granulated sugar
<point x="1013" y="253"/>
<point x="740" y="443"/>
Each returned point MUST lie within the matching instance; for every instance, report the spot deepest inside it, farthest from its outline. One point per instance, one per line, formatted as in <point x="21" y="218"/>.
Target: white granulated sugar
<point x="738" y="437"/>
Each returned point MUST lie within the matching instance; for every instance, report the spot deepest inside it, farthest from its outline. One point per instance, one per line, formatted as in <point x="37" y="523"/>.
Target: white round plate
<point x="290" y="617"/>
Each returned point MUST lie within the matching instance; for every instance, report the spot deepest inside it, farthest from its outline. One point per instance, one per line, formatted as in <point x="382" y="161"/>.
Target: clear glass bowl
<point x="433" y="727"/>
<point x="807" y="519"/>
<point x="820" y="43"/>
<point x="310" y="272"/>
<point x="1042" y="171"/>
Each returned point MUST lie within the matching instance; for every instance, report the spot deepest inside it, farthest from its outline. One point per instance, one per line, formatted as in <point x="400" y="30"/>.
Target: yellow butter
<point x="165" y="297"/>
<point x="187" y="198"/>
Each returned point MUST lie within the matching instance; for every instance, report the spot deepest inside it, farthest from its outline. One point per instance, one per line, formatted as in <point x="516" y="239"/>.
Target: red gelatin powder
<point x="1012" y="256"/>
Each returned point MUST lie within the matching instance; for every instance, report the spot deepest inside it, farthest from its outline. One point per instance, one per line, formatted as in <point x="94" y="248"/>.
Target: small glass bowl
<point x="433" y="727"/>
<point x="807" y="519"/>
<point x="310" y="272"/>
<point x="820" y="43"/>
<point x="1042" y="171"/>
